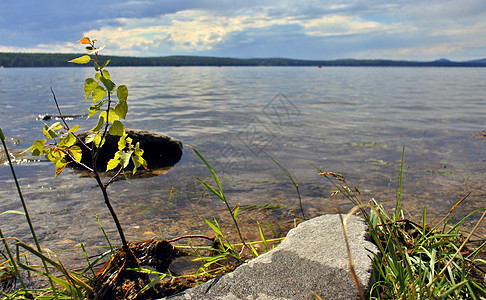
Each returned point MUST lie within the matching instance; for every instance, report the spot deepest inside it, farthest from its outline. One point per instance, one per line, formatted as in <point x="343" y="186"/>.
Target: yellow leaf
<point x="76" y="153"/>
<point x="60" y="165"/>
<point x="81" y="60"/>
<point x="113" y="163"/>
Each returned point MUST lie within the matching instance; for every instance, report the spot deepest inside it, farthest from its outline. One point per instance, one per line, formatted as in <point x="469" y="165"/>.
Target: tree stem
<point x="112" y="212"/>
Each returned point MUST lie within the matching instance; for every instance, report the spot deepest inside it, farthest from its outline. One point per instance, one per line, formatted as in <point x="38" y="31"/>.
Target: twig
<point x="77" y="162"/>
<point x="106" y="184"/>
<point x="191" y="237"/>
<point x="66" y="124"/>
<point x="59" y="110"/>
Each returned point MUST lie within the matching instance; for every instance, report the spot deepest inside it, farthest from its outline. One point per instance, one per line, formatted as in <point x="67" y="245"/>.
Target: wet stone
<point x="312" y="260"/>
<point x="160" y="150"/>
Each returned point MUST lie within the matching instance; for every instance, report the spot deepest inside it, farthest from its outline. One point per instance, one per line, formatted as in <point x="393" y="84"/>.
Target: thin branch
<point x="112" y="212"/>
<point x="64" y="121"/>
<point x="77" y="162"/>
<point x="59" y="110"/>
<point x="106" y="184"/>
<point x="191" y="237"/>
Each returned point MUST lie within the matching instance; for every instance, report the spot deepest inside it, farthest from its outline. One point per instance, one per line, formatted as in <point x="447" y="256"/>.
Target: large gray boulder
<point x="160" y="150"/>
<point x="311" y="259"/>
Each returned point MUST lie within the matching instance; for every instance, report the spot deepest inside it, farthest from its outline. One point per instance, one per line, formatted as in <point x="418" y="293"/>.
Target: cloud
<point x="192" y="31"/>
<point x="285" y="28"/>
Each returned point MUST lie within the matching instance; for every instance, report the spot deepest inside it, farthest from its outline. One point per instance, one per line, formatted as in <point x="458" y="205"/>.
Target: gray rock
<point x="160" y="150"/>
<point x="311" y="259"/>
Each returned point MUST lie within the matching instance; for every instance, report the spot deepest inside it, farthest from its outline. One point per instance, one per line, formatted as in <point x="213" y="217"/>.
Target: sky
<point x="303" y="29"/>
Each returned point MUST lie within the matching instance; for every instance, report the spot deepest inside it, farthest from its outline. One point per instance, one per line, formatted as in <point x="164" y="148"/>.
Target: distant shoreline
<point x="19" y="60"/>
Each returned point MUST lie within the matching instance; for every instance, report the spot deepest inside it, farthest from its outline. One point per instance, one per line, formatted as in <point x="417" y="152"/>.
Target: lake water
<point x="353" y="121"/>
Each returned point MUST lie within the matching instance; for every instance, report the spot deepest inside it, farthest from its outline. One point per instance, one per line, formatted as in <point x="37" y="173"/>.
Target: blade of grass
<point x="287" y="173"/>
<point x="87" y="259"/>
<point x="219" y="193"/>
<point x="398" y="208"/>
<point x="12" y="261"/>
<point x="104" y="233"/>
<point x="24" y="206"/>
<point x="68" y="274"/>
<point x="275" y="235"/>
<point x="462" y="245"/>
<point x="262" y="235"/>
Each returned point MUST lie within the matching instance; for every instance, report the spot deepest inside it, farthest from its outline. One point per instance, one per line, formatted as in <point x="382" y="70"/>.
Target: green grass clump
<point x="416" y="261"/>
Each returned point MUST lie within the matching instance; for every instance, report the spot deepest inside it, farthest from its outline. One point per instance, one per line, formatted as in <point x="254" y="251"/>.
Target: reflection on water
<point x="353" y="121"/>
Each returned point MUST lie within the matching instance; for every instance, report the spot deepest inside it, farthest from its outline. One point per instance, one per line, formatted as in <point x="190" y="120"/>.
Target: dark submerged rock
<point x="160" y="150"/>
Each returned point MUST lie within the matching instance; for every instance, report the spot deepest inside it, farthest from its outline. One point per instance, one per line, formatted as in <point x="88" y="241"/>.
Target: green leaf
<point x="48" y="154"/>
<point x="122" y="92"/>
<point x="99" y="93"/>
<point x="106" y="74"/>
<point x="67" y="141"/>
<point x="89" y="138"/>
<point x="98" y="76"/>
<point x="93" y="110"/>
<point x="96" y="65"/>
<point x="121" y="109"/>
<point x="2" y="136"/>
<point x="74" y="128"/>
<point x="110" y="85"/>
<point x="89" y="85"/>
<point x="49" y="132"/>
<point x="137" y="162"/>
<point x="117" y="128"/>
<point x="81" y="60"/>
<point x="106" y="63"/>
<point x="98" y="126"/>
<point x="138" y="151"/>
<point x="98" y="142"/>
<point x="111" y="114"/>
<point x="125" y="157"/>
<point x="38" y="147"/>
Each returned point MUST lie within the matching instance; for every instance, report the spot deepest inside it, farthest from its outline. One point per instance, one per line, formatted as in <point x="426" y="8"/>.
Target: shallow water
<point x="353" y="121"/>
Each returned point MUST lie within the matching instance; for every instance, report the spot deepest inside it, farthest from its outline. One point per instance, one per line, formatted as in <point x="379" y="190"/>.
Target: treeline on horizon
<point x="16" y="60"/>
